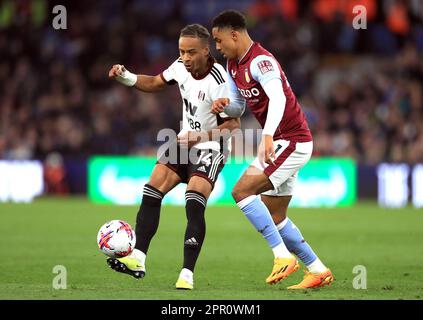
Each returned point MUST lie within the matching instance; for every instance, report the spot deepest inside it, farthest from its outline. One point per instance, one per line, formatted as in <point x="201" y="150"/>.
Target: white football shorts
<point x="290" y="157"/>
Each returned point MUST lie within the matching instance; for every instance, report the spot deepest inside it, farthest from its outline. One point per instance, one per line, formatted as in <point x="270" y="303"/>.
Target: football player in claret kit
<point x="265" y="189"/>
<point x="197" y="155"/>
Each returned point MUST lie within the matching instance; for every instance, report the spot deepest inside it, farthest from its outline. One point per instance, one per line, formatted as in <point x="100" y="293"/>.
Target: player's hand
<point x="119" y="73"/>
<point x="219" y="105"/>
<point x="266" y="151"/>
<point x="116" y="71"/>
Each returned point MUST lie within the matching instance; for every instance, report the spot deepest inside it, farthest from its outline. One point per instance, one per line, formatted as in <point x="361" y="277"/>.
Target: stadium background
<point x="361" y="91"/>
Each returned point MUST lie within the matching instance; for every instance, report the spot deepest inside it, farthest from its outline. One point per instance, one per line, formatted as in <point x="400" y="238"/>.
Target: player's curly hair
<point x="230" y="18"/>
<point x="196" y="31"/>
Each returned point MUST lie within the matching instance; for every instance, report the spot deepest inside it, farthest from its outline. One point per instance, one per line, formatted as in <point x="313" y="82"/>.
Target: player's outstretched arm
<point x="233" y="105"/>
<point x="141" y="82"/>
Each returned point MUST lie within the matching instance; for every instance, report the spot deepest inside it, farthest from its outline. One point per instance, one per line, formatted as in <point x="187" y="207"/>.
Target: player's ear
<point x="234" y="35"/>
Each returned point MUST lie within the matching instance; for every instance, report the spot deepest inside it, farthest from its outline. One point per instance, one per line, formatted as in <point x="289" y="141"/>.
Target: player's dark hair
<point x="230" y="19"/>
<point x="196" y="31"/>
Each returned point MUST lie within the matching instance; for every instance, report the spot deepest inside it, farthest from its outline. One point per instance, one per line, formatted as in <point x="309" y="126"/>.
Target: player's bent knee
<point x="278" y="216"/>
<point x="163" y="178"/>
<point x="239" y="193"/>
<point x="201" y="185"/>
<point x="235" y="195"/>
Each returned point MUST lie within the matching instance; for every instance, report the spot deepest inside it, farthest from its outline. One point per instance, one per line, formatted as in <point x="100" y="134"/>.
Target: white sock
<point x="187" y="275"/>
<point x="316" y="266"/>
<point x="280" y="251"/>
<point x="281" y="225"/>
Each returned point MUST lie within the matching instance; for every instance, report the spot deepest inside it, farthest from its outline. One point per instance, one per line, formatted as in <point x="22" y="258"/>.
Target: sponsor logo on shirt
<point x="247" y="93"/>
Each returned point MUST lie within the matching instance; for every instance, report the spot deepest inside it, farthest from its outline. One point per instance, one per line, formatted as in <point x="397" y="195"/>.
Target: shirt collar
<point x="246" y="52"/>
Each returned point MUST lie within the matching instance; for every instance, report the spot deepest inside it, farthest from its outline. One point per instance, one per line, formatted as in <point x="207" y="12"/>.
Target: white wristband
<point x="127" y="78"/>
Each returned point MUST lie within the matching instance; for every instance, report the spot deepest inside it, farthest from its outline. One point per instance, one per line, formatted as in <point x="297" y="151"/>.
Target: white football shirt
<point x="197" y="96"/>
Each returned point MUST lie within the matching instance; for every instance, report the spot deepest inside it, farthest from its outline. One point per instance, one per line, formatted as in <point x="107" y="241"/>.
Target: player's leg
<point x="291" y="235"/>
<point x="290" y="156"/>
<point x="253" y="182"/>
<point x="318" y="274"/>
<point x="197" y="193"/>
<point x="245" y="191"/>
<point x="203" y="171"/>
<point x="162" y="180"/>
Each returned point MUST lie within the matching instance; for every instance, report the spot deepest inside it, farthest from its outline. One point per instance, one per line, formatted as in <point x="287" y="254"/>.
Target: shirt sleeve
<point x="276" y="109"/>
<point x="264" y="68"/>
<point x="237" y="103"/>
<point x="229" y="90"/>
<point x="221" y="91"/>
<point x="170" y="75"/>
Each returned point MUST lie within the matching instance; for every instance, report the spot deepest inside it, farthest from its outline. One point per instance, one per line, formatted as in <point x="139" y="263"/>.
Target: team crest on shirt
<point x="265" y="66"/>
<point x="201" y="95"/>
<point x="247" y="77"/>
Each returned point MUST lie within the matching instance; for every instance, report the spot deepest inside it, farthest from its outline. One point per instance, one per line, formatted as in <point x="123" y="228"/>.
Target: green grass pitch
<point x="234" y="262"/>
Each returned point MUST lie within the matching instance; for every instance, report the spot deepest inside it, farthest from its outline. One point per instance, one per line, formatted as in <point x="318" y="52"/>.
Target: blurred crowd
<point x="361" y="89"/>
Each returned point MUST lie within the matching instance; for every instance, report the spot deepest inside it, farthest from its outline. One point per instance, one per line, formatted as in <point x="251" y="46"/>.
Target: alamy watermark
<point x="60" y="21"/>
<point x="236" y="145"/>
<point x="360" y="280"/>
<point x="360" y="20"/>
<point x="60" y="281"/>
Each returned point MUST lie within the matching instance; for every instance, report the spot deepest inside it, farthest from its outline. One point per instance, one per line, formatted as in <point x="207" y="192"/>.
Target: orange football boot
<point x="314" y="280"/>
<point x="282" y="268"/>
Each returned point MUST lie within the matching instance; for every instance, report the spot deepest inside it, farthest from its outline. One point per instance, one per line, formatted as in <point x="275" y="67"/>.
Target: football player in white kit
<point x="193" y="158"/>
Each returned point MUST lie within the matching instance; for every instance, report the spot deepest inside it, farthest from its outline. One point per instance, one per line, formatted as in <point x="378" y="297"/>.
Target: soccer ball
<point x="116" y="239"/>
